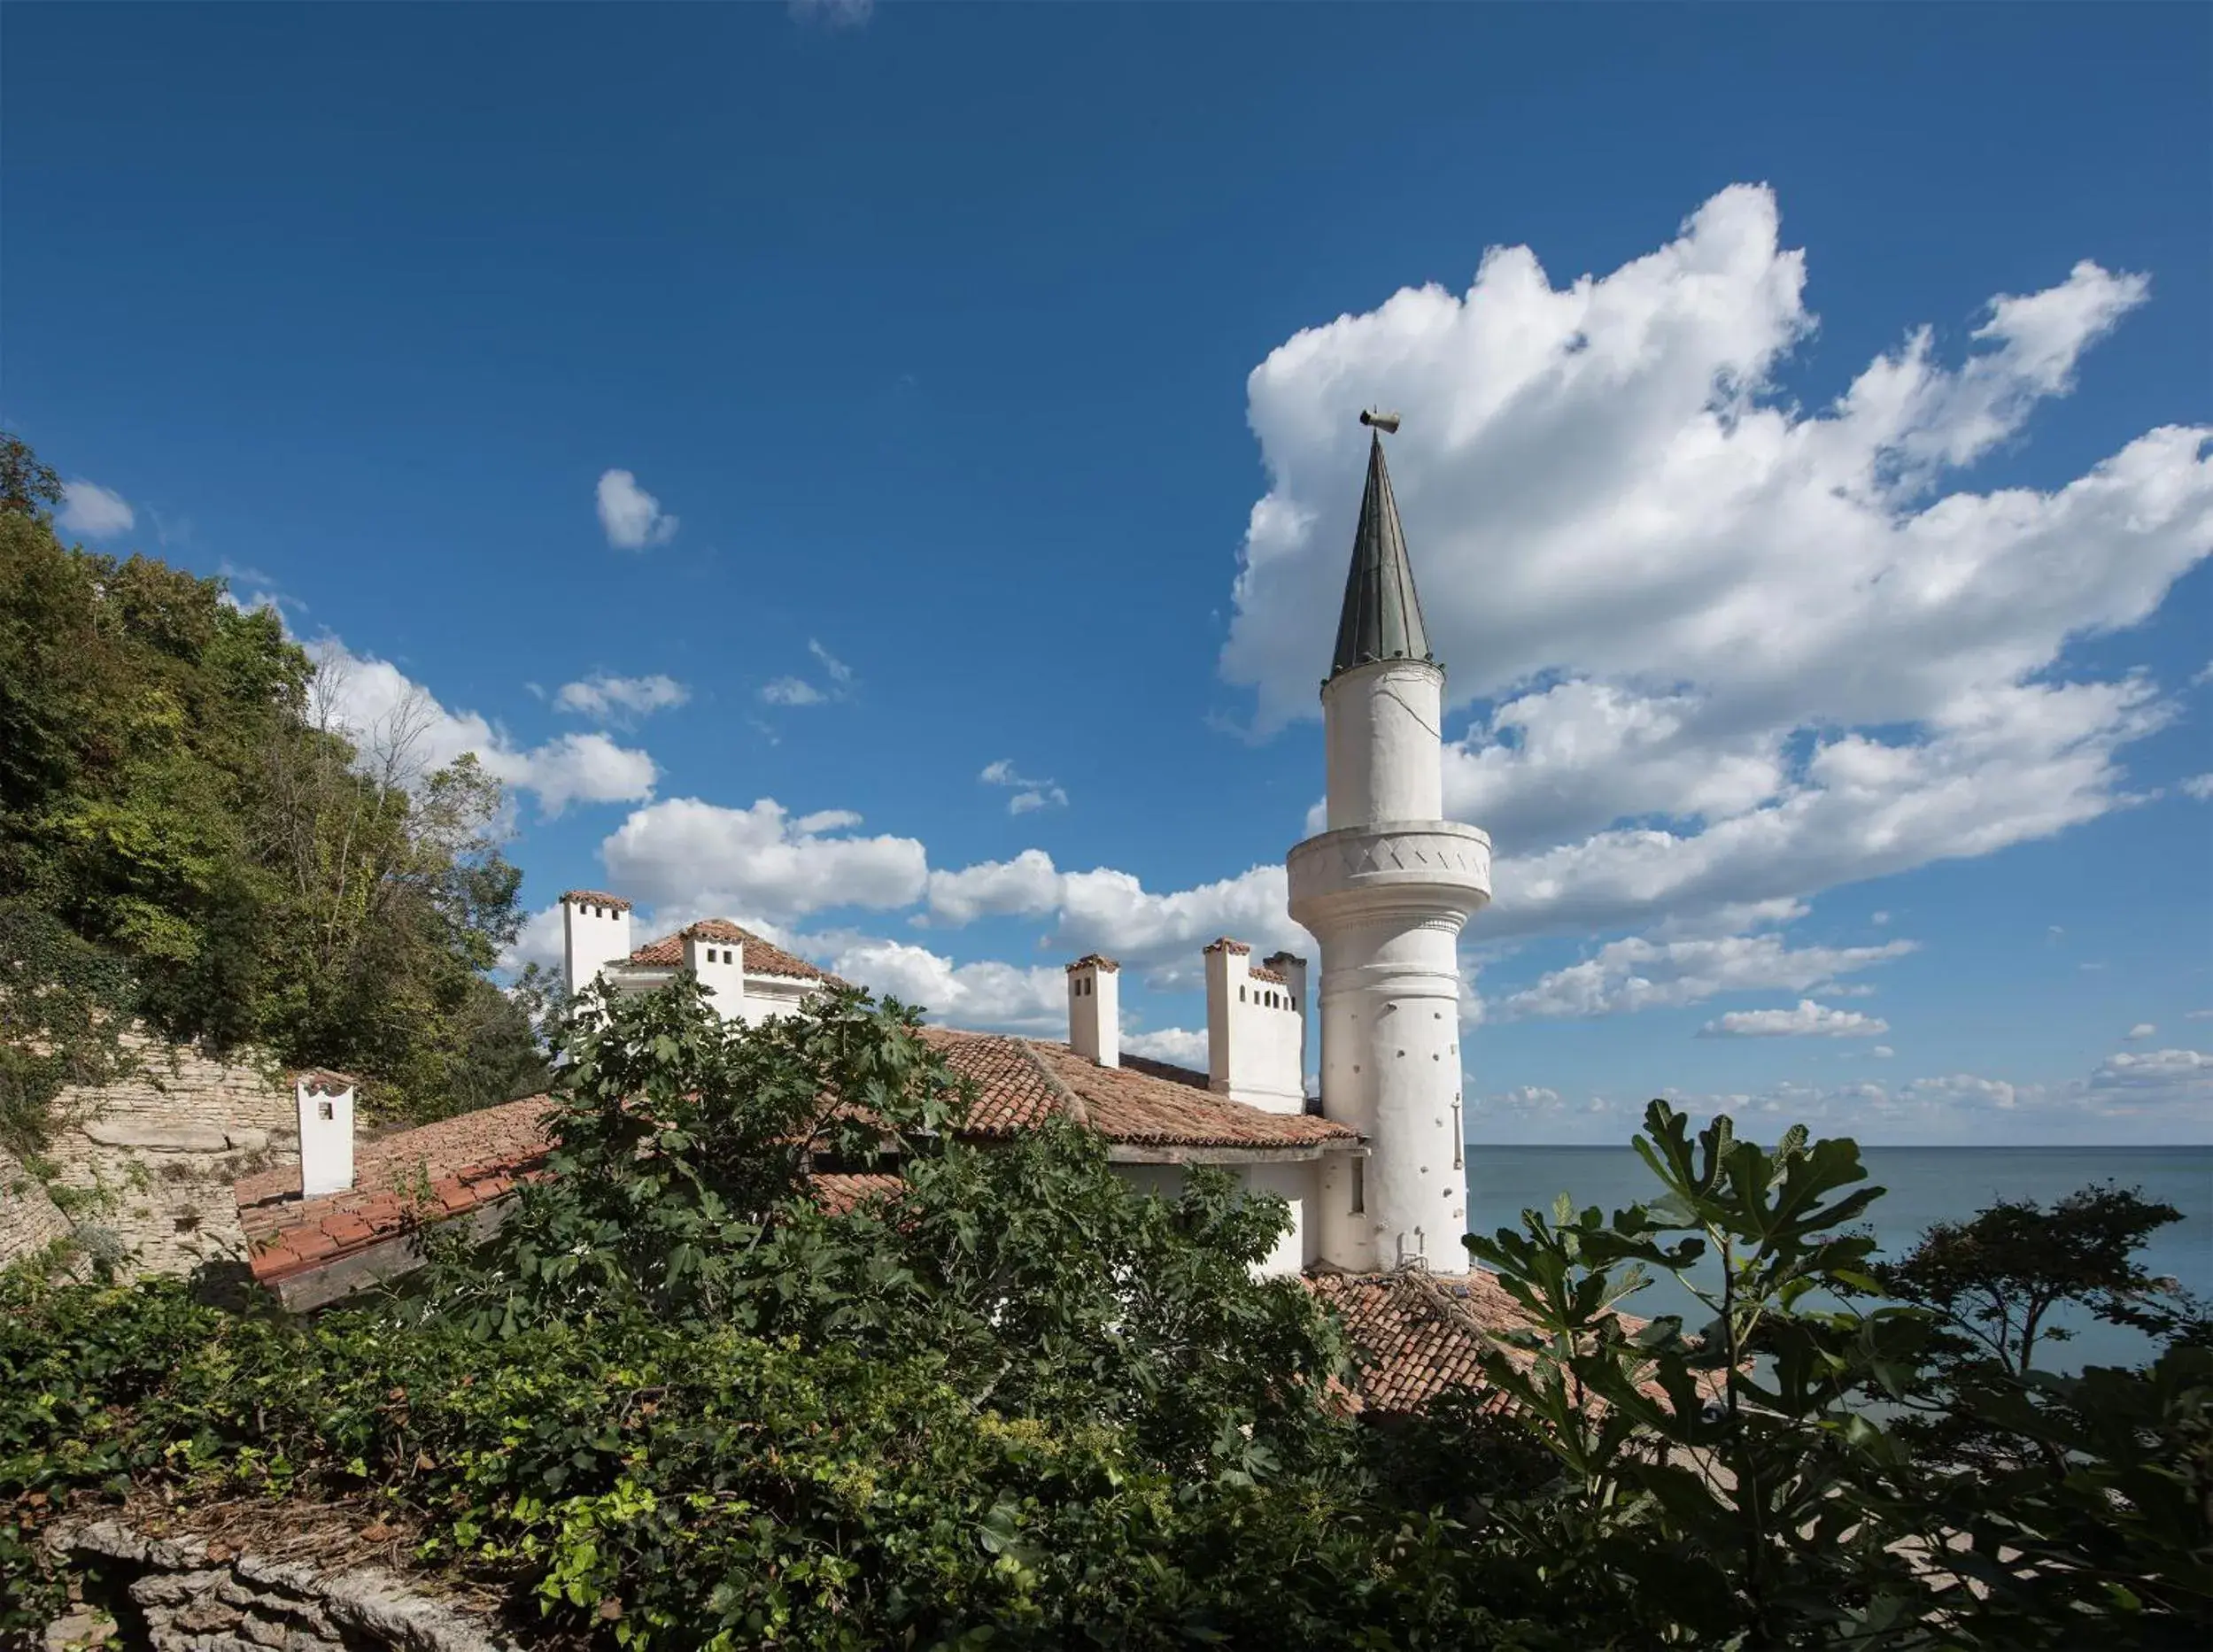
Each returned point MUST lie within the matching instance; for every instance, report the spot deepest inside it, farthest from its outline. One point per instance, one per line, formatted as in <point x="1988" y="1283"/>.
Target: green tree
<point x="1995" y="1280"/>
<point x="28" y="487"/>
<point x="179" y="790"/>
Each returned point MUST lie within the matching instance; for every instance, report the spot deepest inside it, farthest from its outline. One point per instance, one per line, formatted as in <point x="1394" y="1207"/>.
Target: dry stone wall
<point x="191" y="1595"/>
<point x="151" y="1158"/>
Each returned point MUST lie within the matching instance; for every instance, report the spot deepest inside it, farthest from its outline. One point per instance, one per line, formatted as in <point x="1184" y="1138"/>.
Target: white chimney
<point x="1094" y="1009"/>
<point x="713" y="951"/>
<point x="595" y="932"/>
<point x="1292" y="968"/>
<point x="326" y="1133"/>
<point x="1255" y="1031"/>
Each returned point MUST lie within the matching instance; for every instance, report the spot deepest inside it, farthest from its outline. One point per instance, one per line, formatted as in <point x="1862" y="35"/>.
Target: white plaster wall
<point x="1165" y="1180"/>
<point x="1381" y="728"/>
<point x="593" y="936"/>
<point x="1298" y="1183"/>
<point x="775" y="995"/>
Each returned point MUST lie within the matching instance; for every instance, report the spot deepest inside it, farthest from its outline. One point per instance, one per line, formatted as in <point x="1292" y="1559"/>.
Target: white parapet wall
<point x="1256" y="1031"/>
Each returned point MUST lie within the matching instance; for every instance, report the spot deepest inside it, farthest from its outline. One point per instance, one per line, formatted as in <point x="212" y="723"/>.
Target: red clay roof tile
<point x="594" y="897"/>
<point x="761" y="957"/>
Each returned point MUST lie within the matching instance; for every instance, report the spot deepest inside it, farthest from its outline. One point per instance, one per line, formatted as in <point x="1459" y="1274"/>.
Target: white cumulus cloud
<point x="1682" y="605"/>
<point x="2186" y="1073"/>
<point x="541" y="941"/>
<point x="607" y="698"/>
<point x="1178" y="1047"/>
<point x="759" y="860"/>
<point x="1026" y="886"/>
<point x="1111" y="912"/>
<point x="1032" y="794"/>
<point x="1637" y="972"/>
<point x="631" y="517"/>
<point x="394" y="719"/>
<point x="94" y="510"/>
<point x="988" y="996"/>
<point x="1808" y="1020"/>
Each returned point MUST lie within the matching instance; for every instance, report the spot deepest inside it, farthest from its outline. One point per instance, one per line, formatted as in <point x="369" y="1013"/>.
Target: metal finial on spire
<point x="1383" y="615"/>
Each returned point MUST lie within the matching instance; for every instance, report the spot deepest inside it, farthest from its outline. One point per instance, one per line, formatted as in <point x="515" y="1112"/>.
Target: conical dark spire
<point x="1383" y="613"/>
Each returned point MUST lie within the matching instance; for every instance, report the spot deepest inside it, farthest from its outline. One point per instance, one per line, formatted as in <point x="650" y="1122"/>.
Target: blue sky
<point x="739" y="420"/>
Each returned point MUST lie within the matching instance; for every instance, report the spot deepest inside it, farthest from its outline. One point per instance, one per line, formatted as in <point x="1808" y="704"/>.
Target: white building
<point x="748" y="978"/>
<point x="1373" y="1167"/>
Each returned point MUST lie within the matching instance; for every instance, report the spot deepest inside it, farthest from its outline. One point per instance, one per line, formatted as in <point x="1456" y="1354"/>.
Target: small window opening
<point x="1359" y="1186"/>
<point x="1459" y="1146"/>
<point x="1241" y="995"/>
<point x="322" y="1109"/>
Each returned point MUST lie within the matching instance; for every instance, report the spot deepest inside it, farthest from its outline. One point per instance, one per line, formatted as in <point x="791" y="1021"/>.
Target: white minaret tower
<point x="1386" y="890"/>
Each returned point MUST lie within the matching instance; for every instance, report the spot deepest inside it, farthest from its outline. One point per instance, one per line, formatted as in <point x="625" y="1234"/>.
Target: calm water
<point x="1925" y="1185"/>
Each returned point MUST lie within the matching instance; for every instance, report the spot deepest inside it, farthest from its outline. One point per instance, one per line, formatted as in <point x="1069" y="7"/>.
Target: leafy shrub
<point x="675" y="1405"/>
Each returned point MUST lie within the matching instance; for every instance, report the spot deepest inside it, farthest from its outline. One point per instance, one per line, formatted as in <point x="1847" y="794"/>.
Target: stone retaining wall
<point x="29" y="1218"/>
<point x="160" y="1150"/>
<point x="190" y="1594"/>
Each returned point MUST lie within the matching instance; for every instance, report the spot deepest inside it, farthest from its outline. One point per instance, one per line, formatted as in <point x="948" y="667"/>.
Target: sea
<point x="1922" y="1186"/>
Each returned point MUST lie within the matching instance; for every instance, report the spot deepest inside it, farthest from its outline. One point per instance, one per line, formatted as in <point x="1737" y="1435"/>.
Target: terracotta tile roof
<point x="762" y="957"/>
<point x="839" y="1193"/>
<point x="458" y="1164"/>
<point x="325" y="1078"/>
<point x="594" y="897"/>
<point x="1096" y="962"/>
<point x="1416" y="1334"/>
<point x="1223" y="944"/>
<point x="1261" y="972"/>
<point x="1141" y="1103"/>
<point x="1013" y="1090"/>
<point x="432" y="1170"/>
<point x="1151" y="1103"/>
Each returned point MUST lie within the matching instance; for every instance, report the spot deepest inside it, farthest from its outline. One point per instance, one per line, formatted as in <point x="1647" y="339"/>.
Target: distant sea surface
<point x="1924" y="1186"/>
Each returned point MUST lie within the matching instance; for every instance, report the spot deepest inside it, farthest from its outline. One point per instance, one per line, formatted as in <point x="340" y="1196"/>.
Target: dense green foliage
<point x="179" y="794"/>
<point x="675" y="1404"/>
<point x="1779" y="1475"/>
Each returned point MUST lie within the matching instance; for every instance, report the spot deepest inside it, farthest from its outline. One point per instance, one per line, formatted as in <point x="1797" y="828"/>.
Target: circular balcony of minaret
<point x="1418" y="863"/>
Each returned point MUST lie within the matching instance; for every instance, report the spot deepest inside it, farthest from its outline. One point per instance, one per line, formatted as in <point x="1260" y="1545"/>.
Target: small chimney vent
<point x="326" y="1133"/>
